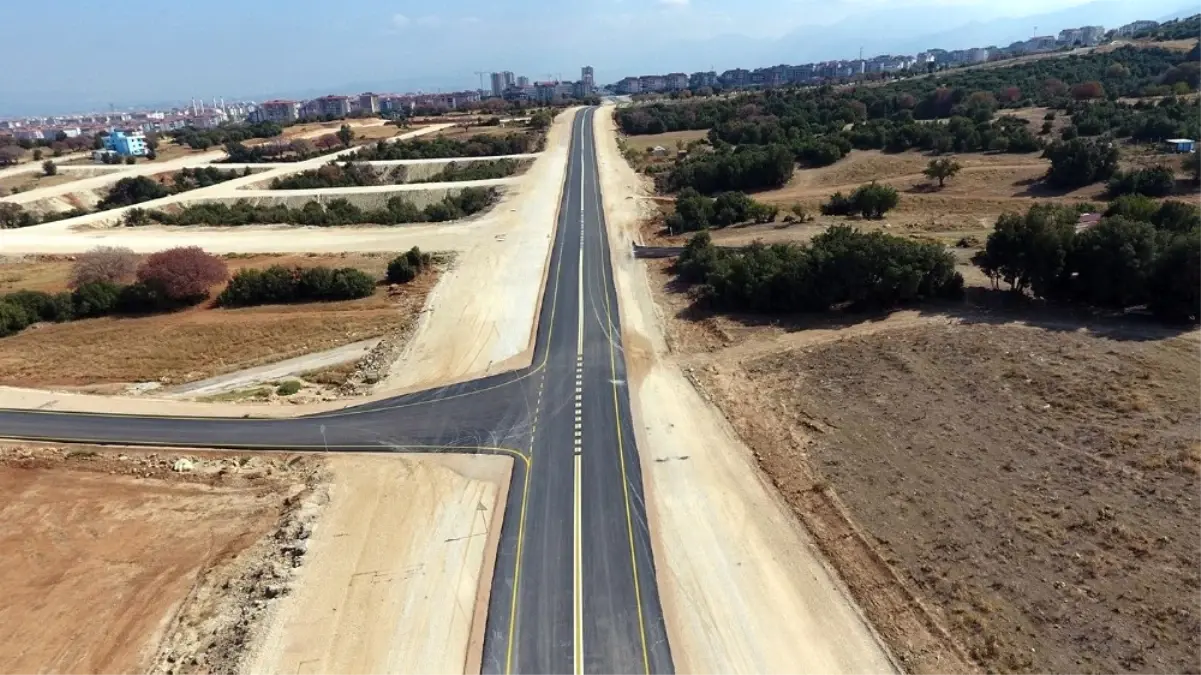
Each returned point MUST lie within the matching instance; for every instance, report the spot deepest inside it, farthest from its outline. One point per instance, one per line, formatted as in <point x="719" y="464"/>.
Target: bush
<point x="1078" y="162"/>
<point x="40" y="306"/>
<point x="405" y="267"/>
<point x="481" y="145"/>
<point x="183" y="274"/>
<point x="288" y="388"/>
<point x="134" y="190"/>
<point x="49" y="168"/>
<point x="140" y="298"/>
<point x="1133" y="207"/>
<point x="1153" y="182"/>
<point x="279" y="285"/>
<point x="13" y="318"/>
<point x="1174" y="285"/>
<point x="95" y="298"/>
<point x="745" y="168"/>
<point x="870" y="201"/>
<point x="695" y="211"/>
<point x="1113" y="262"/>
<point x="104" y="263"/>
<point x="1177" y="216"/>
<point x="336" y="212"/>
<point x="841" y="266"/>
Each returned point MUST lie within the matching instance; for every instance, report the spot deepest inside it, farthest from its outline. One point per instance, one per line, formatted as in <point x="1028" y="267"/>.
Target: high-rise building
<point x="498" y="84"/>
<point x="586" y="79"/>
<point x="509" y="79"/>
<point x="523" y="82"/>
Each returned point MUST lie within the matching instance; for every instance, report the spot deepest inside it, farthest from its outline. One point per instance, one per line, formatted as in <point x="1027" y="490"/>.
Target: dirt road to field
<point x="744" y="589"/>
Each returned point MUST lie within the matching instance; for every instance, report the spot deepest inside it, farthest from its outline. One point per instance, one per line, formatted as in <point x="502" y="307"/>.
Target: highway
<point x="574" y="583"/>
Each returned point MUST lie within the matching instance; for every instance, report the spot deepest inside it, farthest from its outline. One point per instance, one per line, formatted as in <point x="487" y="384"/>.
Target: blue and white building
<point x="126" y="143"/>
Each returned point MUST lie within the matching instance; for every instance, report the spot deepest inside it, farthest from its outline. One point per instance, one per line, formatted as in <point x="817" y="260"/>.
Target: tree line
<point x="237" y="132"/>
<point x="480" y="145"/>
<point x="481" y="170"/>
<point x="138" y="189"/>
<point x="332" y="175"/>
<point x="694" y="211"/>
<point x="1140" y="253"/>
<point x="842" y="267"/>
<point x="337" y="212"/>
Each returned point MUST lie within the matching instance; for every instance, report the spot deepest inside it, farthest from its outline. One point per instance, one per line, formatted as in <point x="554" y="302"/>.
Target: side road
<point x="744" y="588"/>
<point x="478" y="321"/>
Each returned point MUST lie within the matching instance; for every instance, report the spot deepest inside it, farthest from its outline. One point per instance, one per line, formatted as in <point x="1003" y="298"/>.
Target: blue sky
<point x="148" y="51"/>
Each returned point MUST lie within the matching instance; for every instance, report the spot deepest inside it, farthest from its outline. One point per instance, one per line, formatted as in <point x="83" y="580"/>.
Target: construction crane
<point x="481" y="73"/>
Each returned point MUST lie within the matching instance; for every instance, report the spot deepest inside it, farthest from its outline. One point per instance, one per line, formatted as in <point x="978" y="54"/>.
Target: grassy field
<point x="199" y="342"/>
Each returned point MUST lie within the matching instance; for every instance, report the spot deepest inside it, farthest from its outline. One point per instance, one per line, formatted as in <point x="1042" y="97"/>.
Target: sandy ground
<point x="100" y="551"/>
<point x="744" y="588"/>
<point x="392" y="576"/>
<point x="132" y="561"/>
<point x="275" y="371"/>
<point x="482" y="315"/>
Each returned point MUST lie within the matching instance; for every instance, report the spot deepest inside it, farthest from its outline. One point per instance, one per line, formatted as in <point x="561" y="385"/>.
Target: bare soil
<point x="104" y="354"/>
<point x="106" y="550"/>
<point x="1038" y="487"/>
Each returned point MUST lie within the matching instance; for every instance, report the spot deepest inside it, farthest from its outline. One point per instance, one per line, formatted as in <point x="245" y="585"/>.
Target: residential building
<point x="330" y="106"/>
<point x="587" y="80"/>
<point x="676" y="82"/>
<point x="31" y="134"/>
<point x="508" y="78"/>
<point x="977" y="55"/>
<point x="702" y="79"/>
<point x="498" y="84"/>
<point x="523" y="82"/>
<point x="652" y="83"/>
<point x="1132" y="29"/>
<point x="1070" y="37"/>
<point x="368" y="103"/>
<point x="737" y="77"/>
<point x="1041" y="43"/>
<point x="629" y="85"/>
<point x="1092" y="35"/>
<point x="278" y="111"/>
<point x="126" y="143"/>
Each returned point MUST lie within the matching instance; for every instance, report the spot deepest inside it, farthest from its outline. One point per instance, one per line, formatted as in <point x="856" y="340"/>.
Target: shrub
<point x="841" y="266"/>
<point x="1133" y="207"/>
<point x="1177" y="216"/>
<point x="1078" y="162"/>
<point x="401" y="271"/>
<point x="13" y="318"/>
<point x="104" y="263"/>
<point x="40" y="306"/>
<point x="1153" y="182"/>
<point x="140" y="298"/>
<point x="1174" y="285"/>
<point x="183" y="274"/>
<point x="95" y="298"/>
<point x="1113" y="262"/>
<point x="278" y="285"/>
<point x="134" y="190"/>
<point x="49" y="168"/>
<point x="288" y="388"/>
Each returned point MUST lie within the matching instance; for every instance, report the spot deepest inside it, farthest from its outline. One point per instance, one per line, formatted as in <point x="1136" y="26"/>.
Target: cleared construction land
<point x="107" y="355"/>
<point x="137" y="561"/>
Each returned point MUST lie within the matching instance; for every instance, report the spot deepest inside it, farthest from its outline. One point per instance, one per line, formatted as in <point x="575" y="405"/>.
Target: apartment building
<point x="278" y="111"/>
<point x="126" y="143"/>
<point x="702" y="79"/>
<point x="368" y="103"/>
<point x="1135" y="27"/>
<point x="652" y="83"/>
<point x="629" y="85"/>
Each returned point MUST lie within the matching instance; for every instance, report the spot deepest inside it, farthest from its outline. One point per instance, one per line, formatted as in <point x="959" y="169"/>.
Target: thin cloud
<point x="674" y="3"/>
<point x="429" y="21"/>
<point x="400" y="21"/>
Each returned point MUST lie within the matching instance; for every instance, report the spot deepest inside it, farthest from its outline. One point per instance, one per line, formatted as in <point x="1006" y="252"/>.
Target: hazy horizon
<point x="304" y="48"/>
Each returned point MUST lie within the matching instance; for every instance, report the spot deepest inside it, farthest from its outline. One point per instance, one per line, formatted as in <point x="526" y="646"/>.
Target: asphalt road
<point x="574" y="585"/>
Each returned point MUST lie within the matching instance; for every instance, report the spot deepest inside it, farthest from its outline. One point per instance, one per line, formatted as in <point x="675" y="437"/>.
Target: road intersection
<point x="574" y="584"/>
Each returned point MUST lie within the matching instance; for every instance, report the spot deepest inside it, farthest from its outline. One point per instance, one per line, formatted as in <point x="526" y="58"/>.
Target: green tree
<point x="37" y="154"/>
<point x="1079" y="162"/>
<point x="49" y="168"/>
<point x="1113" y="262"/>
<point x="1030" y="252"/>
<point x="941" y="169"/>
<point x="345" y="135"/>
<point x="874" y="200"/>
<point x="1174" y="285"/>
<point x="95" y="298"/>
<point x="1192" y="164"/>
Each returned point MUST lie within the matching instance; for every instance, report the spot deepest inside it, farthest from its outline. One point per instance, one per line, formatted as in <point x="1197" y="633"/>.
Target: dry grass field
<point x="199" y="342"/>
<point x="24" y="182"/>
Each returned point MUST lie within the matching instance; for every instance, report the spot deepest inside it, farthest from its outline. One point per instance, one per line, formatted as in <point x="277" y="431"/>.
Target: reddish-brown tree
<point x="185" y="273"/>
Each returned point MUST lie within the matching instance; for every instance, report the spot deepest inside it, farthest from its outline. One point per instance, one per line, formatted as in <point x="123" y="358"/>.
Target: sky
<point x="146" y="52"/>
